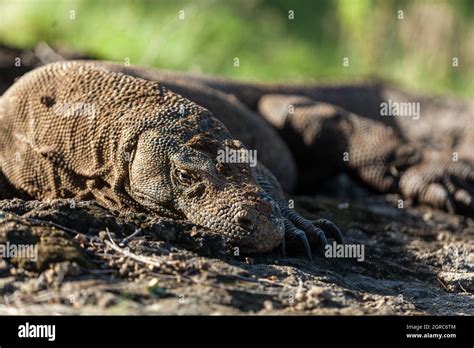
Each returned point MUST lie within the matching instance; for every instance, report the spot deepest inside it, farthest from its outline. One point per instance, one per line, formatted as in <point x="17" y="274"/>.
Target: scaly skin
<point x="375" y="154"/>
<point x="80" y="130"/>
<point x="387" y="154"/>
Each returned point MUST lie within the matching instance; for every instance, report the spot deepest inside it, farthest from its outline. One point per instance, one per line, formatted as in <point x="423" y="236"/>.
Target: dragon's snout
<point x="245" y="221"/>
<point x="258" y="228"/>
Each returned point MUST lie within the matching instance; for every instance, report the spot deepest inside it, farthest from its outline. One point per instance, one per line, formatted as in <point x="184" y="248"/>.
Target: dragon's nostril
<point x="245" y="222"/>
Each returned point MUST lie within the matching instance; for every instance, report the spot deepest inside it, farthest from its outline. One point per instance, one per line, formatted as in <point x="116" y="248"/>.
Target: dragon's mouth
<point x="266" y="233"/>
<point x="152" y="204"/>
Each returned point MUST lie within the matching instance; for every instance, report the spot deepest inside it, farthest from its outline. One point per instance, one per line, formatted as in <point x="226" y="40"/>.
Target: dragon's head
<point x="196" y="170"/>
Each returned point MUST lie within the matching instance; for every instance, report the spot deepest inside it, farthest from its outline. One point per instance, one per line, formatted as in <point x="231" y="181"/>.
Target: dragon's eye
<point x="184" y="176"/>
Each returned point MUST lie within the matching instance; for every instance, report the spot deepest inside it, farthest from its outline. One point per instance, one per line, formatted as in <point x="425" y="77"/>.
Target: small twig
<point x="442" y="283"/>
<point x="50" y="223"/>
<point x="110" y="236"/>
<point x="126" y="239"/>
<point x="139" y="258"/>
<point x="462" y="288"/>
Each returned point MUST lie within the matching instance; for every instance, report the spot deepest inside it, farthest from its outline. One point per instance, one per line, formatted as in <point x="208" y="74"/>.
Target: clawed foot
<point x="310" y="235"/>
<point x="441" y="182"/>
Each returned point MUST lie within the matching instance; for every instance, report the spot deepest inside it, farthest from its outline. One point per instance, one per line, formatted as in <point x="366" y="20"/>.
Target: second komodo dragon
<point x="125" y="137"/>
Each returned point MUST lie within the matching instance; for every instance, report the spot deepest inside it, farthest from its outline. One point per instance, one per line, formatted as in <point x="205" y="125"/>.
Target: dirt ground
<point x="417" y="261"/>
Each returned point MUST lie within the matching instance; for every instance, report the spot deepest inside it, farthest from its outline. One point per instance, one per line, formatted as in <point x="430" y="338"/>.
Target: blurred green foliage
<point x="415" y="51"/>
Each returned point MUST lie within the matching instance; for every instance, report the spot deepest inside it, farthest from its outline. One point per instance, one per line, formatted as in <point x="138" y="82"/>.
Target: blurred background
<point x="411" y="43"/>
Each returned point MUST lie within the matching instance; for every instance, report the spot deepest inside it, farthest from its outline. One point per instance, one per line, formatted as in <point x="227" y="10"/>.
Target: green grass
<point x="415" y="52"/>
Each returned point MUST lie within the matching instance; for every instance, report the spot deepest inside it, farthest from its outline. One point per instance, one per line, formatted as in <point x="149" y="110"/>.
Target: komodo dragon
<point x="125" y="137"/>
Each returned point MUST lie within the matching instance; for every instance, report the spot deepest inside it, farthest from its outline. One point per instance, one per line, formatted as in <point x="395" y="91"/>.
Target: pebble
<point x="268" y="305"/>
<point x="106" y="300"/>
<point x="16" y="271"/>
<point x="153" y="282"/>
<point x="123" y="269"/>
<point x="427" y="216"/>
<point x="3" y="265"/>
<point x="343" y="206"/>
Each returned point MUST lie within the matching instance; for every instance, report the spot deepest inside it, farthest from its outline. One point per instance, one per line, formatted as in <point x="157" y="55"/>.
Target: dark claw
<point x="466" y="185"/>
<point x="319" y="235"/>
<point x="331" y="228"/>
<point x="283" y="248"/>
<point x="464" y="196"/>
<point x="300" y="234"/>
<point x="317" y="232"/>
<point x="296" y="232"/>
<point x="450" y="205"/>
